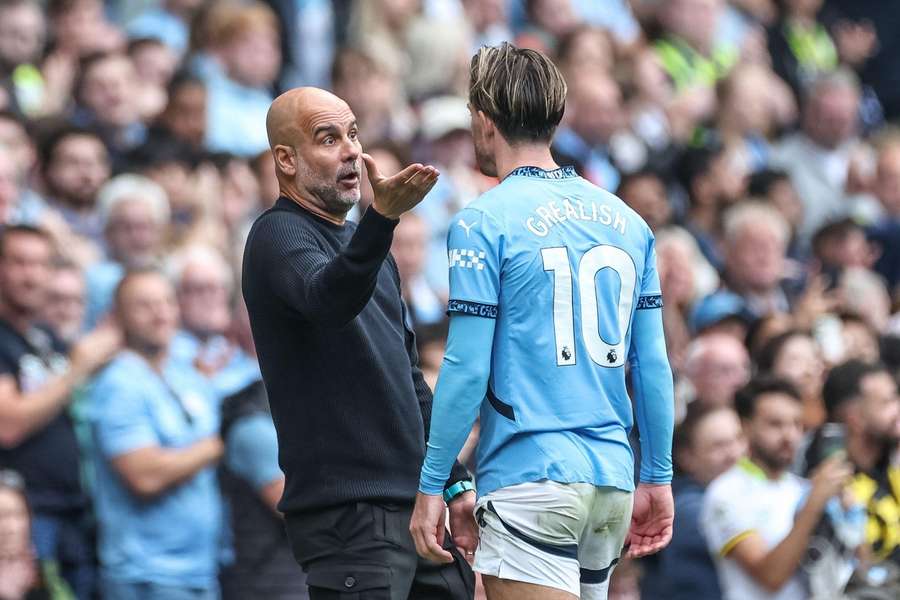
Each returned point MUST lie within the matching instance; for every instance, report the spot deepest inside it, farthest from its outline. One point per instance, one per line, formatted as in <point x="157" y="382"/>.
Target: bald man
<point x="349" y="403"/>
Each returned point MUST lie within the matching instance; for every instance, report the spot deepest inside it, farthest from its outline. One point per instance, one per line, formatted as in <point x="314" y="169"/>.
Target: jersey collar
<point x="566" y="172"/>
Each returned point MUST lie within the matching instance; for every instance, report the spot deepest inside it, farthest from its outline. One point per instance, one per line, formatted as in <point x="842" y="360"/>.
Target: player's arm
<point x="651" y="378"/>
<point x="423" y="393"/>
<point x="460" y="389"/>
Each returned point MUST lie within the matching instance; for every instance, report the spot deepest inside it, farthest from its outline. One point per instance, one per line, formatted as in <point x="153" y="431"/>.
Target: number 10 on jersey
<point x="602" y="352"/>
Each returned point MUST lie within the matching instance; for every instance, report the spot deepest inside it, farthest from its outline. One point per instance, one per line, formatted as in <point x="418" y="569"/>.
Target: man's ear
<point x="285" y="160"/>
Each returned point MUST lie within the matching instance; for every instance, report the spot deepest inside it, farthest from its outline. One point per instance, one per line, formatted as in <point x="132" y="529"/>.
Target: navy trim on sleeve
<point x="648" y="302"/>
<point x="464" y="307"/>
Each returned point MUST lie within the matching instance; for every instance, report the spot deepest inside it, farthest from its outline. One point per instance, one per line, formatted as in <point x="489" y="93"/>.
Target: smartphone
<point x="832" y="439"/>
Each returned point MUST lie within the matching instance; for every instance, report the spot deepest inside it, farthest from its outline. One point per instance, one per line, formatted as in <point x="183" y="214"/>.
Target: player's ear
<point x="285" y="159"/>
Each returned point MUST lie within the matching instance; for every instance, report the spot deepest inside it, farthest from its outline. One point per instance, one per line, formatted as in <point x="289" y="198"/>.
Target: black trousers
<point x="363" y="551"/>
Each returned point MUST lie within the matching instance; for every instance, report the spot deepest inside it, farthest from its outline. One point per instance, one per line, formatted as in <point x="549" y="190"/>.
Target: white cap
<point x="441" y="115"/>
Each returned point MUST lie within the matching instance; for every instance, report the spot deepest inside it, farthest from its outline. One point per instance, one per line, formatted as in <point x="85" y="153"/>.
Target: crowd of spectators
<point x="758" y="138"/>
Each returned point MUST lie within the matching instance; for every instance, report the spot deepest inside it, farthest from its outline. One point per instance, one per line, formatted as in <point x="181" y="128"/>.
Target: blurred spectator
<point x="841" y="245"/>
<point x="185" y="116"/>
<point x="707" y="443"/>
<point x="244" y="46"/>
<point x="252" y="485"/>
<point x="23" y="33"/>
<point x="549" y="21"/>
<point x="722" y="312"/>
<point x="689" y="51"/>
<point x="372" y="90"/>
<point x="438" y="59"/>
<point x="716" y="366"/>
<point x="424" y="305"/>
<point x="593" y="116"/>
<point x="80" y="28"/>
<point x="867" y="37"/>
<point x="795" y="357"/>
<point x="204" y="283"/>
<point x="886" y="233"/>
<point x="752" y="102"/>
<point x="154" y="64"/>
<point x="863" y="398"/>
<point x="645" y="192"/>
<point x="308" y="40"/>
<point x="488" y="20"/>
<point x="684" y="276"/>
<point x="18" y="145"/>
<point x="75" y="164"/>
<point x="21" y="577"/>
<point x="168" y="21"/>
<point x="801" y="47"/>
<point x="860" y="339"/>
<point x="133" y="211"/>
<point x="774" y="187"/>
<point x="108" y="101"/>
<point x="714" y="179"/>
<point x="37" y="437"/>
<point x="64" y="309"/>
<point x="758" y="517"/>
<point x="155" y="427"/>
<point x="755" y="239"/>
<point x="818" y="158"/>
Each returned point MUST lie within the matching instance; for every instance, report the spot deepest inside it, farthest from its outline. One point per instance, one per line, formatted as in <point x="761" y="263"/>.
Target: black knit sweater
<point x="349" y="403"/>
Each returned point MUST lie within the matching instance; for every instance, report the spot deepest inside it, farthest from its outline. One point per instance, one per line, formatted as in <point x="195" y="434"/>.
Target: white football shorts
<point x="563" y="536"/>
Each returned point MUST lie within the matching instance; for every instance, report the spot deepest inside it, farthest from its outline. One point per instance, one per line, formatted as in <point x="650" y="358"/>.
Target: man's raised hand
<point x="397" y="194"/>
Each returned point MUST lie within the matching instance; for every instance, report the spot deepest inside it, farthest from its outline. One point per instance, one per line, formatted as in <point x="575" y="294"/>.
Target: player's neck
<point x="523" y="155"/>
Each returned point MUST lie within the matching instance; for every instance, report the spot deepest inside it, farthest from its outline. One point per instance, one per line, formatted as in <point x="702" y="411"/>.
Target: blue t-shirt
<point x="239" y="370"/>
<point x="175" y="537"/>
<point x="251" y="450"/>
<point x="569" y="273"/>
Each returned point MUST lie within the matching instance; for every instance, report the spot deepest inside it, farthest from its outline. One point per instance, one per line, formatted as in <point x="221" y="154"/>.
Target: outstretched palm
<point x="397" y="194"/>
<point x="651" y="520"/>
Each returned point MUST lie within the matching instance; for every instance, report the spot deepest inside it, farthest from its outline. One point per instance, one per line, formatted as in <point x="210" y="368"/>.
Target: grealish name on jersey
<point x="554" y="213"/>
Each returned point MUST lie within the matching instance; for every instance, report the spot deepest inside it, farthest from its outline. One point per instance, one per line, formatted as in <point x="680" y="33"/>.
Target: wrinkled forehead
<point x="325" y="114"/>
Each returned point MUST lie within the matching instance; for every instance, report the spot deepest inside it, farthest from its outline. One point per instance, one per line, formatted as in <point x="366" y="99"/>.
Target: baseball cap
<point x="717" y="307"/>
<point x="442" y="115"/>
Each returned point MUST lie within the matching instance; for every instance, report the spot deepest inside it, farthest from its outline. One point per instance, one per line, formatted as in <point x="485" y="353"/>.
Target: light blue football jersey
<point x="569" y="273"/>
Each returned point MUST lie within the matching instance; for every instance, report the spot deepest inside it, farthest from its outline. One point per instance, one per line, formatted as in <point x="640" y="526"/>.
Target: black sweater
<point x="349" y="403"/>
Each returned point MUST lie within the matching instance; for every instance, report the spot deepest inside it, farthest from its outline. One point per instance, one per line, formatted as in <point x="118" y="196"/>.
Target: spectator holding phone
<point x="863" y="398"/>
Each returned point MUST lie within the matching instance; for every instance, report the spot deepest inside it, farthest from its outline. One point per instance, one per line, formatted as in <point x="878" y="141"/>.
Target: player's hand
<point x="396" y="195"/>
<point x="651" y="520"/>
<point x="427" y="528"/>
<point x="463" y="526"/>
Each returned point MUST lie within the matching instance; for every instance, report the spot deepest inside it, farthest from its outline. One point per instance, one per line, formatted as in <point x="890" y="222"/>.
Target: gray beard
<point x="333" y="201"/>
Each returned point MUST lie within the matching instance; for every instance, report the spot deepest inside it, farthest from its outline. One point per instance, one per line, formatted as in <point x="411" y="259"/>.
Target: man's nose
<point x="351" y="150"/>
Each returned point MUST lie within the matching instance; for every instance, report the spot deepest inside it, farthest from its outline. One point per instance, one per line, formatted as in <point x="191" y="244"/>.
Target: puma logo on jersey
<point x="467" y="227"/>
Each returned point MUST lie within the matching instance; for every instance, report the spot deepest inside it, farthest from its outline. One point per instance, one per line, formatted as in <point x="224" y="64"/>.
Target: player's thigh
<point x="601" y="542"/>
<point x="529" y="534"/>
<point x="504" y="589"/>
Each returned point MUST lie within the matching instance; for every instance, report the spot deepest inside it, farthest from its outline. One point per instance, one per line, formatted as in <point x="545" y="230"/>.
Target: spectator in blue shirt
<point x="205" y="285"/>
<point x="243" y="60"/>
<point x="155" y="428"/>
<point x="707" y="443"/>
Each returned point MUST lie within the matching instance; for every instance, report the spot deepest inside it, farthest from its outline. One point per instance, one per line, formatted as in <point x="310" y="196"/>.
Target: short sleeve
<point x="651" y="291"/>
<point x="251" y="450"/>
<point x="473" y="252"/>
<point x="120" y="419"/>
<point x="724" y="519"/>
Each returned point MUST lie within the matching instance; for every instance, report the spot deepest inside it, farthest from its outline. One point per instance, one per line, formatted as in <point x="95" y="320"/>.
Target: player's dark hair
<point x="520" y="90"/>
<point x="745" y="399"/>
<point x="844" y="383"/>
